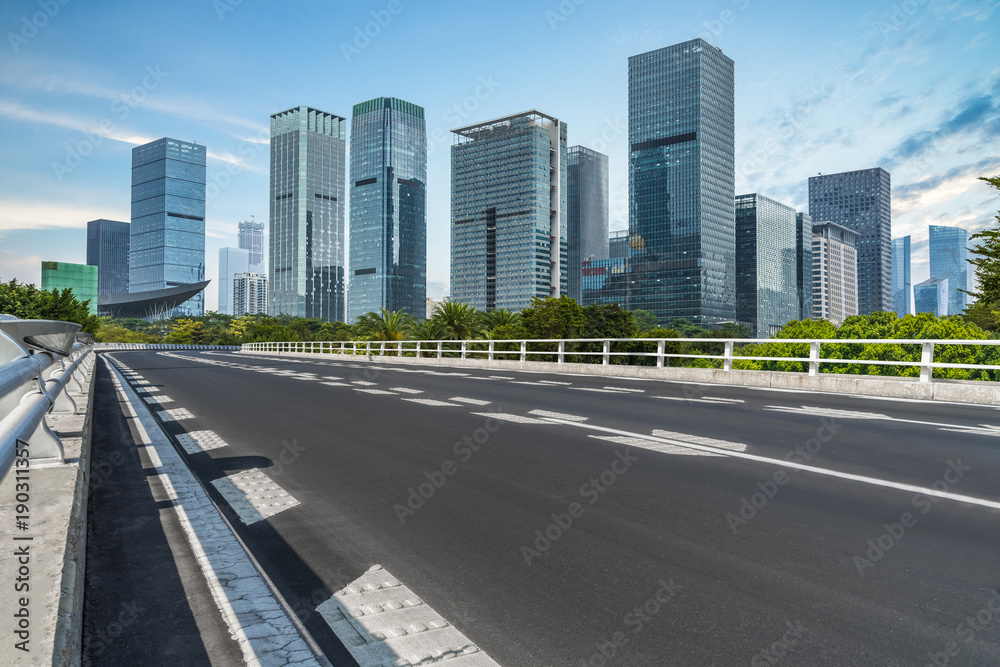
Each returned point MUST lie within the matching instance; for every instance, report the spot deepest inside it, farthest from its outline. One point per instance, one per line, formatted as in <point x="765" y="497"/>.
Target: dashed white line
<point x="376" y="391"/>
<point x="558" y="415"/>
<point x="703" y="399"/>
<point x="432" y="402"/>
<point x="510" y="417"/>
<point x="470" y="401"/>
<point x="826" y="412"/>
<point x="336" y="384"/>
<point x="638" y="391"/>
<point x="364" y="383"/>
<point x="407" y="390"/>
<point x="643" y="443"/>
<point x="699" y="440"/>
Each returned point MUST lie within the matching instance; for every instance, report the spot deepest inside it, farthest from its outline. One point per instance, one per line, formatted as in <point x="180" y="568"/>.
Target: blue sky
<point x="912" y="86"/>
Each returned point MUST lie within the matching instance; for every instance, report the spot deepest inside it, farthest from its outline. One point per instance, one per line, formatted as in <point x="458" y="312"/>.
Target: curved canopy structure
<point x="147" y="304"/>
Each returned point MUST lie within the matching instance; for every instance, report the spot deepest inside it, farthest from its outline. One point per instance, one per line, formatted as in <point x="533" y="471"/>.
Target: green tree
<point x="459" y="320"/>
<point x="385" y="325"/>
<point x="28" y="302"/>
<point x="553" y="318"/>
<point x="986" y="258"/>
<point x="644" y="319"/>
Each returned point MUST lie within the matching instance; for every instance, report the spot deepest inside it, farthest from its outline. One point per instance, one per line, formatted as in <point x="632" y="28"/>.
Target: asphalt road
<point x="547" y="545"/>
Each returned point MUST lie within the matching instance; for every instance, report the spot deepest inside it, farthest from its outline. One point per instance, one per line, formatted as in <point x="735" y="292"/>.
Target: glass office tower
<point x="948" y="251"/>
<point x="767" y="295"/>
<point x="231" y="262"/>
<point x="586" y="213"/>
<point x="508" y="211"/>
<point x="901" y="276"/>
<point x="388" y="208"/>
<point x="803" y="264"/>
<point x="860" y="201"/>
<point x="931" y="296"/>
<point x="107" y="249"/>
<point x="682" y="182"/>
<point x="251" y="239"/>
<point x="81" y="279"/>
<point x="306" y="260"/>
<point x="167" y="234"/>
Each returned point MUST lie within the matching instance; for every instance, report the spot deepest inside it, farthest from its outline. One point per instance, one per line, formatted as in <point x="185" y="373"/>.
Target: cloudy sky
<point x="909" y="85"/>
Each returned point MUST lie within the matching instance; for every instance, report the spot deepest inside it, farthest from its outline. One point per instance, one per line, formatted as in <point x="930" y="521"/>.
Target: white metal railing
<point x="103" y="347"/>
<point x="611" y="347"/>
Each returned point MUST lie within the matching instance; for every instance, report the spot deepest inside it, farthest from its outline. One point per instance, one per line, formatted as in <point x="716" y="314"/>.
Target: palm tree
<point x="385" y="325"/>
<point x="501" y="317"/>
<point x="458" y="319"/>
<point x="430" y="330"/>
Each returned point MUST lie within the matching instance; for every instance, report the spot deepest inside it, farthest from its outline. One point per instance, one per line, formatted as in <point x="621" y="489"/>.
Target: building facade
<point x="586" y="213"/>
<point x="82" y="279"/>
<point x="949" y="254"/>
<point x="932" y="296"/>
<point x="249" y="294"/>
<point x="508" y="211"/>
<point x="167" y="234"/>
<point x="231" y="262"/>
<point x="682" y="182"/>
<point x="251" y="239"/>
<point x="861" y="201"/>
<point x="803" y="264"/>
<point x="901" y="286"/>
<point x="767" y="297"/>
<point x="306" y="227"/>
<point x="107" y="249"/>
<point x="388" y="187"/>
<point x="618" y="243"/>
<point x="835" y="272"/>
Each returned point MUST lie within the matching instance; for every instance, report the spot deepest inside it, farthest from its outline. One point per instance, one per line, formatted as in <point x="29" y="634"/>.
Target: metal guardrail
<point x="103" y="347"/>
<point x="32" y="385"/>
<point x="556" y="347"/>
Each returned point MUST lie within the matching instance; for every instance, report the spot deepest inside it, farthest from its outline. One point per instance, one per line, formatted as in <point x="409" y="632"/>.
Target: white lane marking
<point x="364" y="383"/>
<point x="196" y="442"/>
<point x="161" y="488"/>
<point x="336" y="384"/>
<point x="382" y="622"/>
<point x="638" y="391"/>
<point x="470" y="401"/>
<point x="864" y="479"/>
<point x="431" y="401"/>
<point x="147" y="454"/>
<point x="554" y="382"/>
<point x="558" y="415"/>
<point x="603" y="391"/>
<point x="275" y="639"/>
<point x="533" y="384"/>
<point x="510" y="417"/>
<point x="407" y="390"/>
<point x="331" y="377"/>
<point x="154" y="400"/>
<point x="305" y="377"/>
<point x="642" y="443"/>
<point x="700" y="440"/>
<point x="826" y="412"/>
<point x="703" y="399"/>
<point x="984" y="429"/>
<point x="253" y="495"/>
<point x="501" y="377"/>
<point x="176" y="414"/>
<point x="376" y="391"/>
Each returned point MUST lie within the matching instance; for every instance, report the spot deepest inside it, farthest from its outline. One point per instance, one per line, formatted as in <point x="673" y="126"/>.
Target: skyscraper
<point x="861" y="201"/>
<point x="835" y="272"/>
<point x="948" y="251"/>
<point x="251" y="238"/>
<point x="803" y="264"/>
<point x="81" y="279"/>
<point x="167" y="234"/>
<point x="231" y="262"/>
<point x="586" y="213"/>
<point x="766" y="293"/>
<point x="682" y="182"/>
<point x="249" y="294"/>
<point x="931" y="296"/>
<point x="508" y="211"/>
<point x="107" y="249"/>
<point x="388" y="208"/>
<point x="306" y="259"/>
<point x="901" y="276"/>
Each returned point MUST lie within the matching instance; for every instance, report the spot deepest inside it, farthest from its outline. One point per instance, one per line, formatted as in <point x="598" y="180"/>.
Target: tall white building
<point x="231" y="262"/>
<point x="249" y="294"/>
<point x="835" y="272"/>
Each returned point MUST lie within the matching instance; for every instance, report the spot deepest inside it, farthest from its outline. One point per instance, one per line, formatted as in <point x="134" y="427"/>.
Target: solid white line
<point x="716" y="401"/>
<point x="638" y="391"/>
<point x="981" y="502"/>
<point x="848" y="414"/>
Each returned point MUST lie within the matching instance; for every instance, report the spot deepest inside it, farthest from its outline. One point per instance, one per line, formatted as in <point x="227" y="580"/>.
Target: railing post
<point x="562" y="351"/>
<point x="727" y="361"/>
<point x="463" y="349"/>
<point x="440" y="349"/>
<point x="814" y="358"/>
<point x="490" y="356"/>
<point x="926" y="359"/>
<point x="524" y="350"/>
<point x="400" y="349"/>
<point x="607" y="352"/>
<point x="661" y="348"/>
<point x="419" y="355"/>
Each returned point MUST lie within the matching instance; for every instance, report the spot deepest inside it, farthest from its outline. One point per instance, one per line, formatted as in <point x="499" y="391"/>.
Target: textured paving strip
<point x="154" y="400"/>
<point x="253" y="495"/>
<point x="177" y="414"/>
<point x="384" y="624"/>
<point x="196" y="442"/>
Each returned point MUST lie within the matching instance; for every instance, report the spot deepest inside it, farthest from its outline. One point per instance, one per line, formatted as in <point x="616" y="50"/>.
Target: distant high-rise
<point x="388" y="208"/>
<point x="618" y="244"/>
<point x="835" y="272"/>
<point x="306" y="244"/>
<point x="81" y="279"/>
<point x="107" y="249"/>
<point x="167" y="234"/>
<point x="931" y="296"/>
<point x="508" y="211"/>
<point x="861" y="201"/>
<point x="231" y="262"/>
<point x="249" y="294"/>
<point x="682" y="182"/>
<point x="948" y="251"/>
<point x="766" y="296"/>
<point x="251" y="238"/>
<point x="901" y="276"/>
<point x="803" y="264"/>
<point x="586" y="213"/>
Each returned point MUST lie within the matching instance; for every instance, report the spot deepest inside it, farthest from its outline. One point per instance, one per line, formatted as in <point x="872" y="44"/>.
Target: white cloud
<point x="21" y="215"/>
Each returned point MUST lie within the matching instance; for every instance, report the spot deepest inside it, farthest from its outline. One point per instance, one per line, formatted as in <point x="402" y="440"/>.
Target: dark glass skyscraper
<point x="860" y="201"/>
<point x="107" y="249"/>
<point x="306" y="244"/>
<point x="586" y="213"/>
<point x="167" y="234"/>
<point x="388" y="208"/>
<point x="901" y="276"/>
<point x="948" y="251"/>
<point x="766" y="264"/>
<point x="803" y="264"/>
<point x="508" y="211"/>
<point x="682" y="182"/>
<point x="251" y="238"/>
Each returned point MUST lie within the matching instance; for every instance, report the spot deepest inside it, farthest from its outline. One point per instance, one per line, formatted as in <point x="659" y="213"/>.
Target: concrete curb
<point x="951" y="391"/>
